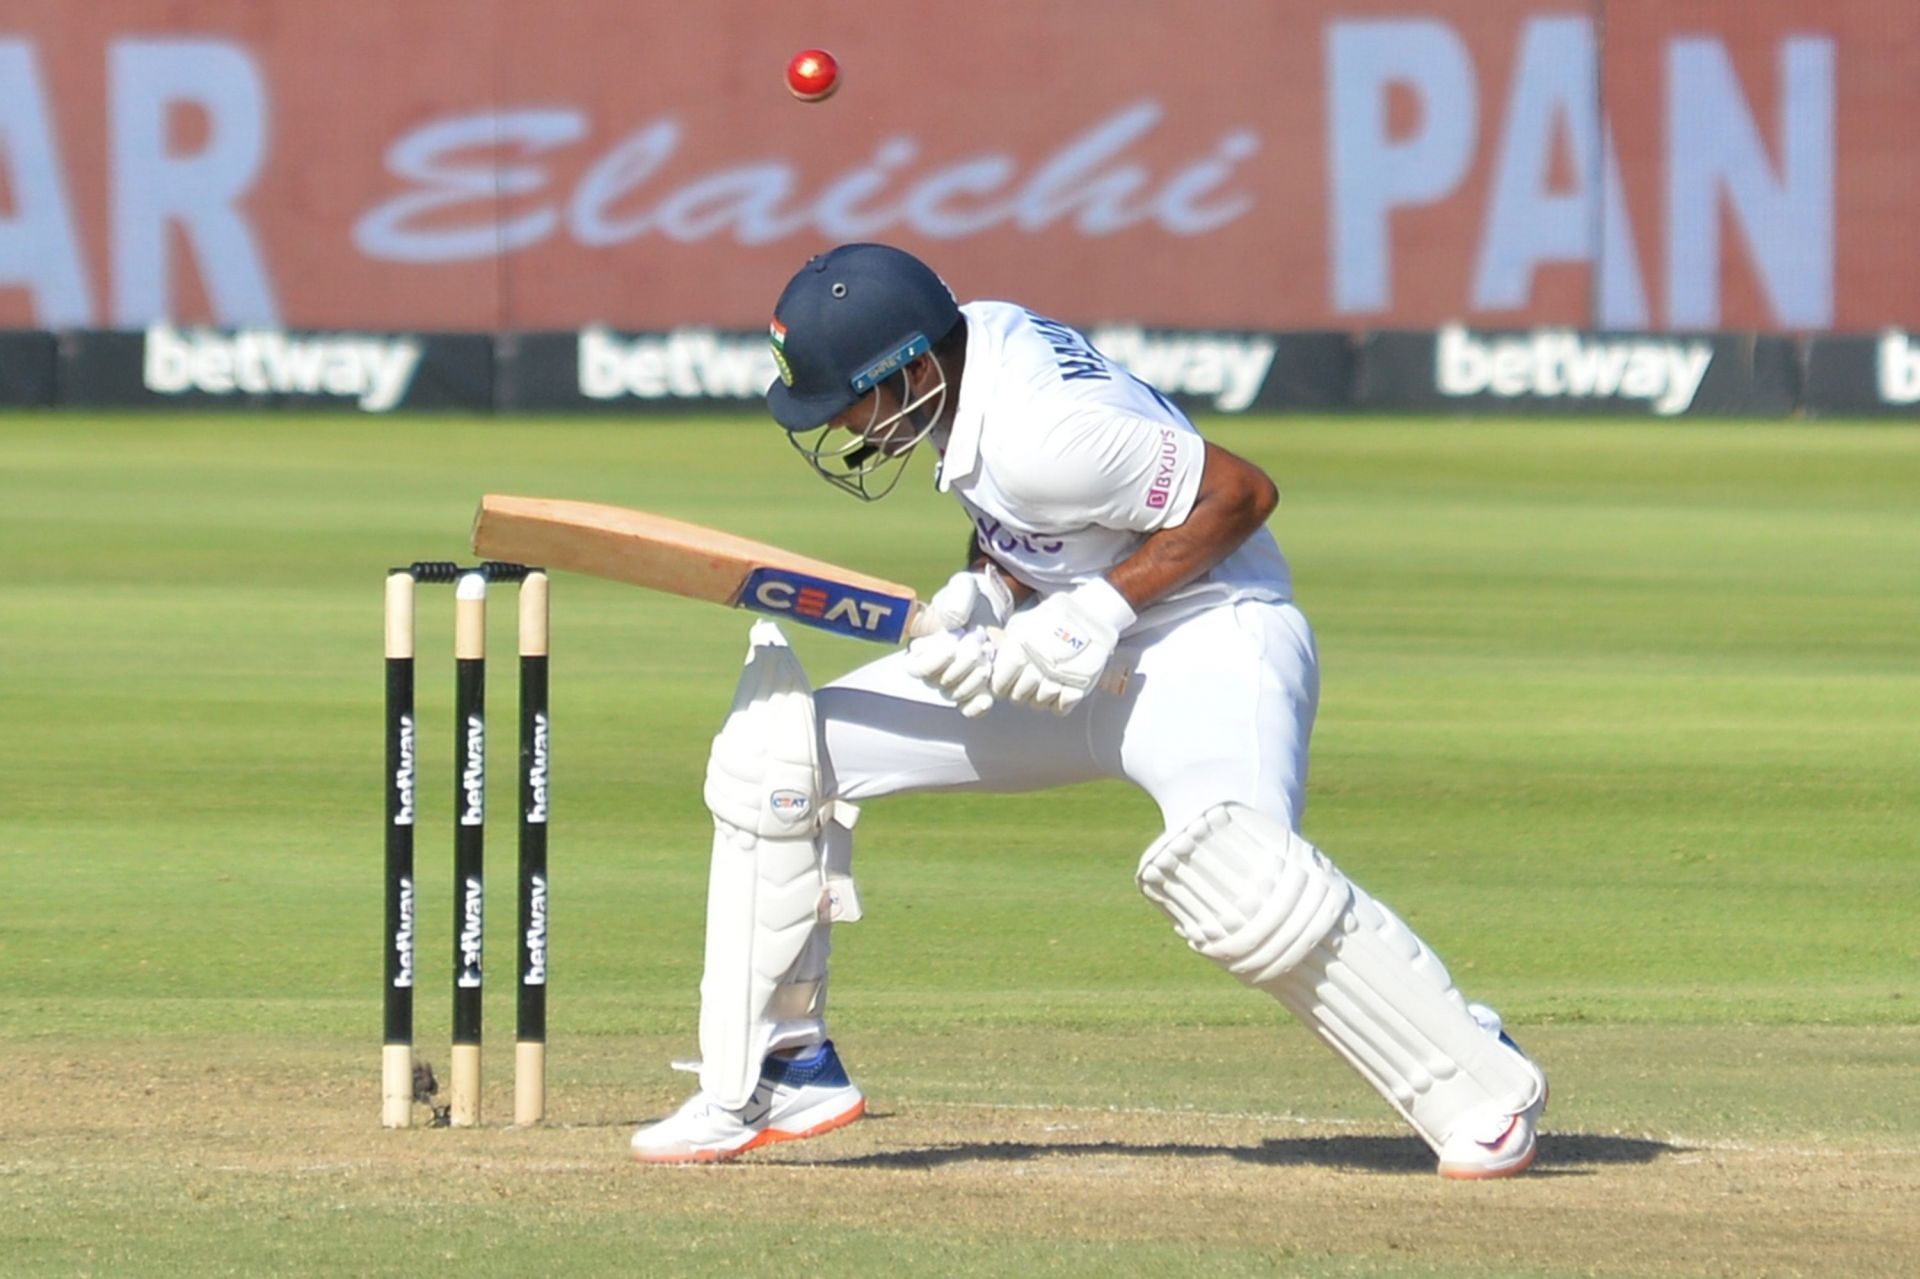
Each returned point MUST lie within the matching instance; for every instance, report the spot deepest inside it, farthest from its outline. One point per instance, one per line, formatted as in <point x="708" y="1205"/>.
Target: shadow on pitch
<point x="1560" y="1153"/>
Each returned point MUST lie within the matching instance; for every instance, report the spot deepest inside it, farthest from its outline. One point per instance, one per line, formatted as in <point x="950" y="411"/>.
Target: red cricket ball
<point x="813" y="75"/>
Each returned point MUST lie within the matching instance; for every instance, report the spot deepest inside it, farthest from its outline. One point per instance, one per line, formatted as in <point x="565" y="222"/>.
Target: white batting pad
<point x="1269" y="907"/>
<point x="1244" y="891"/>
<point x="766" y="944"/>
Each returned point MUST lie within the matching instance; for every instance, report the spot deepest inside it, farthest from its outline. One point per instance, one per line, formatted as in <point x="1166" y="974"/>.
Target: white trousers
<point x="1219" y="709"/>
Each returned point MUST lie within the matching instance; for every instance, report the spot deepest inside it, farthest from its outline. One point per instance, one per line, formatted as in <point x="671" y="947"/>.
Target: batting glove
<point x="958" y="664"/>
<point x="1052" y="653"/>
<point x="972" y="597"/>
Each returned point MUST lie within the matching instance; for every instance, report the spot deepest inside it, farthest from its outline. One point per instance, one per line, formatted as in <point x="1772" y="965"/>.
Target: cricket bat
<point x="700" y="563"/>
<point x="686" y="559"/>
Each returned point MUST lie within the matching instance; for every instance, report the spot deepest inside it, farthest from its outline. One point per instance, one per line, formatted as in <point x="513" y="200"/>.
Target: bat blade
<point x="643" y="549"/>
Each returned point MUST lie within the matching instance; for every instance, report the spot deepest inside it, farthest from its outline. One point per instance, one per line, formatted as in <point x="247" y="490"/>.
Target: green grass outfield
<point x="1623" y="717"/>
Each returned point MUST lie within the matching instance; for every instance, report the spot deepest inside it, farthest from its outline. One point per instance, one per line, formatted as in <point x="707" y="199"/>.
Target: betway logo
<point x="537" y="773"/>
<point x="1229" y="368"/>
<point x="403" y="776"/>
<point x="536" y="932"/>
<point x="473" y="912"/>
<point x="1897" y="369"/>
<point x="686" y="364"/>
<point x="403" y="937"/>
<point x="1556" y="364"/>
<point x="473" y="774"/>
<point x="375" y="372"/>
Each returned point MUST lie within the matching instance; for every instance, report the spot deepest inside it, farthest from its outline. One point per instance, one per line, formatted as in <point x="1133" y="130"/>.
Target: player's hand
<point x="957" y="663"/>
<point x="972" y="597"/>
<point x="1052" y="653"/>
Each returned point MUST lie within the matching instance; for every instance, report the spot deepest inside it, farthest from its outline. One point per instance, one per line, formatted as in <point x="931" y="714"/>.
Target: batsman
<point x="1107" y="534"/>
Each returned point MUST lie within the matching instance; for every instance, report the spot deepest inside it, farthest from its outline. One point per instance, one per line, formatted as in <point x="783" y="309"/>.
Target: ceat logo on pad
<point x="789" y="805"/>
<point x="831" y="606"/>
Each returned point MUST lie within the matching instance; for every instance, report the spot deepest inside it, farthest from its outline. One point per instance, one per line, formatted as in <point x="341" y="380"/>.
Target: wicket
<point x="469" y="875"/>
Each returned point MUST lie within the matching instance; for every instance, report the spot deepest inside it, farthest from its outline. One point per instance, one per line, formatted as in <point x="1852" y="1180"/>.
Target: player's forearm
<point x="1169" y="560"/>
<point x="1235" y="498"/>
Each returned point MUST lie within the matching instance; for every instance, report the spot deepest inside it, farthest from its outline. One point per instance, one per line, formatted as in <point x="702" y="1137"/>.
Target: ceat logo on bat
<point x="831" y="606"/>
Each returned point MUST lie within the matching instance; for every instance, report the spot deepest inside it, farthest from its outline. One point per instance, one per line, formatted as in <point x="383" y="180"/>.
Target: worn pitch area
<point x="125" y="1161"/>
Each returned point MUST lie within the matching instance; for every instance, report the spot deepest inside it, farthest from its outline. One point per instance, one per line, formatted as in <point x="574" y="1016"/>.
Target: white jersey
<point x="1066" y="462"/>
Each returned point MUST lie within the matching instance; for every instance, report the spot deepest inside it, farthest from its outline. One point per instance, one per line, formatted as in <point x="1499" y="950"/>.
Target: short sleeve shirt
<point x="1066" y="463"/>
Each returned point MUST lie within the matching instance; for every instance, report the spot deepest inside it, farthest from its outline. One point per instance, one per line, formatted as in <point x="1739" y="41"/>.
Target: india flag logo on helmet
<point x="777" y="332"/>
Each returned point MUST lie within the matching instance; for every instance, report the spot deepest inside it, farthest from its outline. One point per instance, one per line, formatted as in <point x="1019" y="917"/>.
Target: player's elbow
<point x="1264" y="498"/>
<point x="1245" y="494"/>
<point x="1253" y="498"/>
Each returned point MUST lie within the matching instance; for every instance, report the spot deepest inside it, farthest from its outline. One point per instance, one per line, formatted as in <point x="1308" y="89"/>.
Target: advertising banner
<point x="598" y="370"/>
<point x="166" y="366"/>
<point x="1537" y="371"/>
<point x="519" y="166"/>
<point x="27" y="366"/>
<point x="1864" y="376"/>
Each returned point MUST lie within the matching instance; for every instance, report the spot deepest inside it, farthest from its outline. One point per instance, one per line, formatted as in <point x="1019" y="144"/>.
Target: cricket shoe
<point x="796" y="1097"/>
<point x="1495" y="1143"/>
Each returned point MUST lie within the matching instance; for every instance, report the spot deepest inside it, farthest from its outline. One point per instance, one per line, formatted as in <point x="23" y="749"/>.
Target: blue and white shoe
<point x="1497" y="1143"/>
<point x="796" y="1097"/>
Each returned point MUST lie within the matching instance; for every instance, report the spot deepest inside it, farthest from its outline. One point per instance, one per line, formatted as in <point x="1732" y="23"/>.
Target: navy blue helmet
<point x="848" y="319"/>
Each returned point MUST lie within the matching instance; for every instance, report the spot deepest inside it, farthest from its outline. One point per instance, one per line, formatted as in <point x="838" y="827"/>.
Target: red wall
<point x="478" y="164"/>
